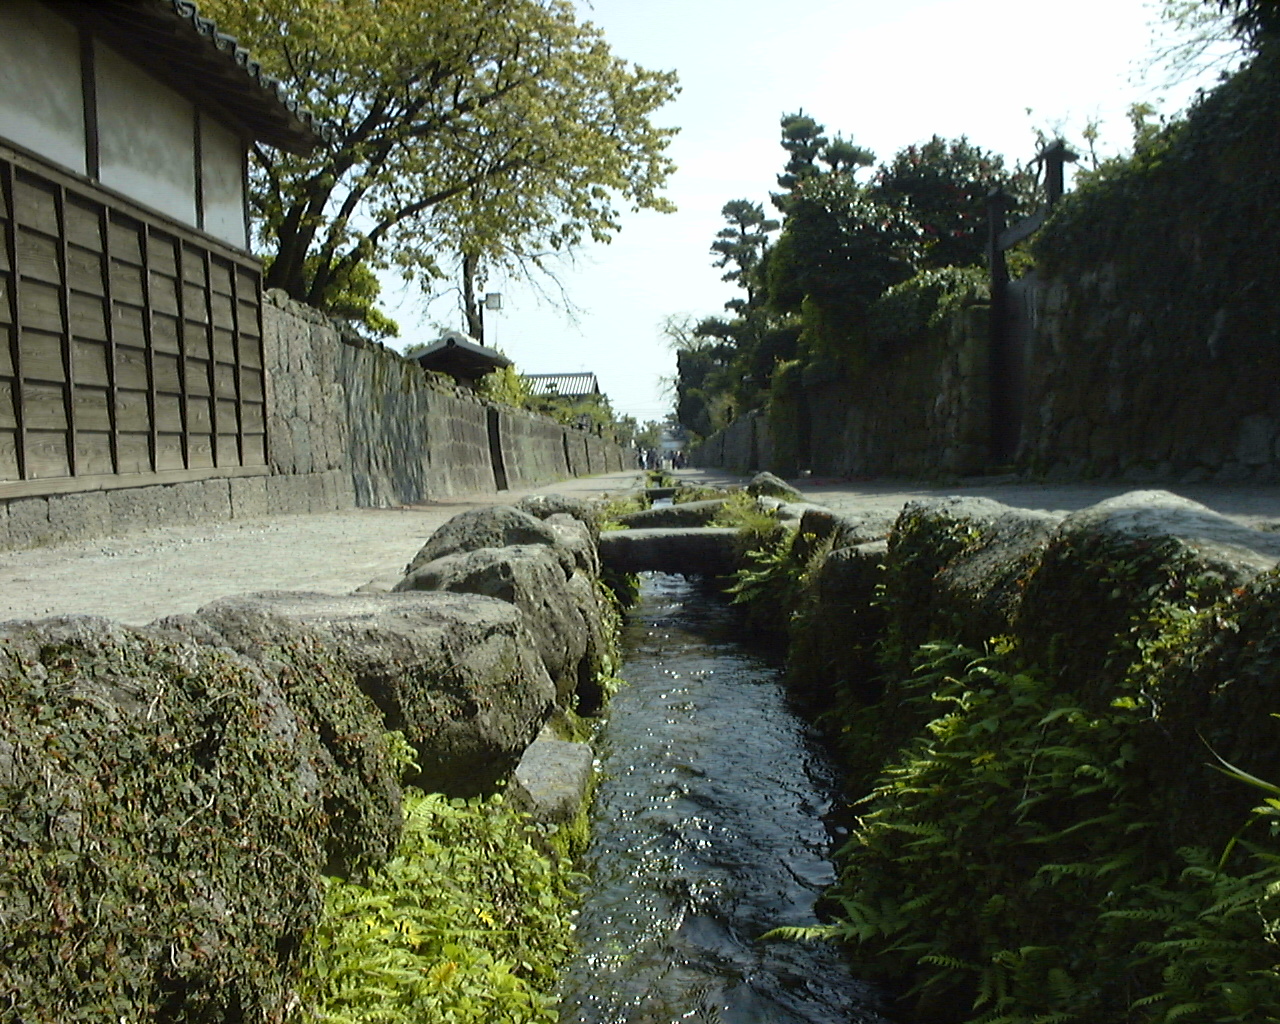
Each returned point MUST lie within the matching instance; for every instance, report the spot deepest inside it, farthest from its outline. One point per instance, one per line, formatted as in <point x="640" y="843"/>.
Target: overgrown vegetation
<point x="1041" y="833"/>
<point x="1012" y="859"/>
<point x="469" y="922"/>
<point x="161" y="836"/>
<point x="913" y="234"/>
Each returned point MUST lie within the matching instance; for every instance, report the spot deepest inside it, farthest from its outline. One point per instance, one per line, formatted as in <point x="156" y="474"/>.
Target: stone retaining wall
<point x="351" y="424"/>
<point x="921" y="412"/>
<point x="533" y="448"/>
<point x="745" y="445"/>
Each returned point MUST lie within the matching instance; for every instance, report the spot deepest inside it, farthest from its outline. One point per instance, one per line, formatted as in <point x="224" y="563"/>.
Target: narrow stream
<point x="708" y="831"/>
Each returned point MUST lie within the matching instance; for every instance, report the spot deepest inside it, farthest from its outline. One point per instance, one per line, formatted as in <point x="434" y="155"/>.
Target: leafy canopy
<point x="504" y="128"/>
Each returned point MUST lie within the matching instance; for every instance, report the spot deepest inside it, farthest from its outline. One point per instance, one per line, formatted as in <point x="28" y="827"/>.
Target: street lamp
<point x="492" y="300"/>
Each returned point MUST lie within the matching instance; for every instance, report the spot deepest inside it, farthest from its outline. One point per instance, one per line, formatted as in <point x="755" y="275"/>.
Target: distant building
<point x="130" y="309"/>
<point x="563" y="385"/>
<point x="461" y="357"/>
<point x="577" y="388"/>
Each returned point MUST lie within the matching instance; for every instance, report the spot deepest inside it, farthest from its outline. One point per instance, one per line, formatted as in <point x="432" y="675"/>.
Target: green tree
<point x="943" y="187"/>
<point x="502" y="128"/>
<point x="742" y="244"/>
<point x="842" y="245"/>
<point x="702" y="368"/>
<point x="1255" y="21"/>
<point x="805" y="143"/>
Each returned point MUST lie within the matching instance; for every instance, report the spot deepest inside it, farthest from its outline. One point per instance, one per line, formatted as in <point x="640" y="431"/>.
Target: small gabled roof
<point x="176" y="44"/>
<point x="459" y="355"/>
<point x="570" y="385"/>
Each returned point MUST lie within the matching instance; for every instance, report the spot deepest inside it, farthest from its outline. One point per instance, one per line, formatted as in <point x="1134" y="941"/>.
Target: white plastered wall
<point x="41" y="100"/>
<point x="146" y="137"/>
<point x="222" y="173"/>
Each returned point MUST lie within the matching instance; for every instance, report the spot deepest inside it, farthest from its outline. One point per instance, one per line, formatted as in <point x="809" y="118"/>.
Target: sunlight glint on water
<point x="708" y="832"/>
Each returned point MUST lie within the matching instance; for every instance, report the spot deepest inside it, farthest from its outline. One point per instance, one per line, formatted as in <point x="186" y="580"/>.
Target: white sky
<point x="885" y="73"/>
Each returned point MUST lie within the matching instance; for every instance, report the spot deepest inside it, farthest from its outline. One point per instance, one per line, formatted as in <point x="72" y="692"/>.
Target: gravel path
<point x="140" y="577"/>
<point x="144" y="576"/>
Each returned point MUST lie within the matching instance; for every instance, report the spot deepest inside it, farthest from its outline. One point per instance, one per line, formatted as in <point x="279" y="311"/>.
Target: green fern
<point x="468" y="923"/>
<point x="809" y="933"/>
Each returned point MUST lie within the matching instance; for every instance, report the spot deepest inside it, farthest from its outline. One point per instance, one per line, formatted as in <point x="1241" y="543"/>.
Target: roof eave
<point x="185" y="50"/>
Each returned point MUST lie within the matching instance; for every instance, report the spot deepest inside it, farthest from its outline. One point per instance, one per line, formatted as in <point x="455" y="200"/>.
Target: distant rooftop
<point x="460" y="356"/>
<point x="570" y="385"/>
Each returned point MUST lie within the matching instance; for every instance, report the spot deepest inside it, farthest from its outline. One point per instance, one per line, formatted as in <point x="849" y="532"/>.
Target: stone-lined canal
<point x="707" y="831"/>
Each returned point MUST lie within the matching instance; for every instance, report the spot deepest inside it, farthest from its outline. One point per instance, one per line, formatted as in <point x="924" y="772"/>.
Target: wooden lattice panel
<point x="130" y="347"/>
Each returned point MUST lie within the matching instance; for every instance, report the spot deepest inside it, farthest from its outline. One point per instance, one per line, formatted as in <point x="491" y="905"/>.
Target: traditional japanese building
<point x="130" y="308"/>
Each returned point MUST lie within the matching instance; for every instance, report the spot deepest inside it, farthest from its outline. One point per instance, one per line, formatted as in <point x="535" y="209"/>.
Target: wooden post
<point x="1055" y="155"/>
<point x="1002" y="437"/>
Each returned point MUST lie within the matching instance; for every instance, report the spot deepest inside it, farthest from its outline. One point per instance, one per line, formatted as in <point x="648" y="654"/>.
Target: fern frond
<point x="801" y="933"/>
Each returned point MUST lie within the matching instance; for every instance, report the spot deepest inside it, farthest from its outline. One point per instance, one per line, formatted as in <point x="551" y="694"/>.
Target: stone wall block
<point x="29" y="525"/>
<point x="132" y="508"/>
<point x="217" y="498"/>
<point x="247" y="496"/>
<point x="300" y="447"/>
<point x="75" y="516"/>
<point x="1256" y="440"/>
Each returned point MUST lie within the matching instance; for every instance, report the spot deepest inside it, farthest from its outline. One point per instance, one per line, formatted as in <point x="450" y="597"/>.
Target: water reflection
<point x="708" y="832"/>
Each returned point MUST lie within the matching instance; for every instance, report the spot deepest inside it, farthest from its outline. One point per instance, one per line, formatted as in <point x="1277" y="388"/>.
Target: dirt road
<point x="168" y="570"/>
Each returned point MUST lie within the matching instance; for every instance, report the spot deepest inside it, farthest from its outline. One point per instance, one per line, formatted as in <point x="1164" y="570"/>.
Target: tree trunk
<point x="475" y="318"/>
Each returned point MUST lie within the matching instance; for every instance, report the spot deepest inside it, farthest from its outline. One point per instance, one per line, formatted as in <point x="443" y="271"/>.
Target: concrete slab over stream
<point x="704" y="549"/>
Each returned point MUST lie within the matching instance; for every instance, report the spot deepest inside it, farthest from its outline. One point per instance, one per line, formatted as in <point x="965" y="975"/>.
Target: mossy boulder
<point x="848" y="529"/>
<point x="457" y="673"/>
<point x="771" y="486"/>
<point x="955" y="570"/>
<point x="499" y="526"/>
<point x="543" y="506"/>
<point x="359" y="785"/>
<point x="532" y="578"/>
<point x="834" y="640"/>
<point x="162" y="829"/>
<point x="1109" y="568"/>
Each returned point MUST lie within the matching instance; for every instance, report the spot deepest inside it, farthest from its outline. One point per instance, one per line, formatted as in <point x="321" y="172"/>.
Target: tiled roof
<point x="457" y="354"/>
<point x="172" y="40"/>
<point x="573" y="385"/>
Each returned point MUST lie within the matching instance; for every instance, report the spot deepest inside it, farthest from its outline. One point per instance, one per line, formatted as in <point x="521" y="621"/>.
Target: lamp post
<point x="492" y="301"/>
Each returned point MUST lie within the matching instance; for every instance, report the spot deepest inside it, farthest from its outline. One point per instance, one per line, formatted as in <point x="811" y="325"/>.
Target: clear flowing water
<point x="708" y="831"/>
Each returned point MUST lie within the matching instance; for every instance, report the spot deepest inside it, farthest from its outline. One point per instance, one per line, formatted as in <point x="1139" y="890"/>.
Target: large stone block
<point x="29" y="524"/>
<point x="457" y="673"/>
<point x="287" y="494"/>
<point x="135" y="508"/>
<point x="689" y="513"/>
<point x="1106" y="569"/>
<point x="338" y="490"/>
<point x="210" y="499"/>
<point x="74" y="516"/>
<point x="495" y="527"/>
<point x="834" y="646"/>
<point x="553" y="779"/>
<point x="247" y="496"/>
<point x="956" y="567"/>
<point x="847" y="529"/>
<point x="535" y="579"/>
<point x="705" y="550"/>
<point x="302" y="459"/>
